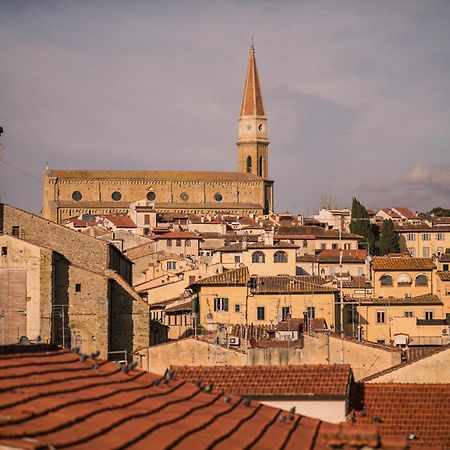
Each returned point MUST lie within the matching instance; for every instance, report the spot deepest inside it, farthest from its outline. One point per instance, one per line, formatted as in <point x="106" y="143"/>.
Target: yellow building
<point x="397" y="321"/>
<point x="402" y="276"/>
<point x="424" y="241"/>
<point x="234" y="297"/>
<point x="69" y="193"/>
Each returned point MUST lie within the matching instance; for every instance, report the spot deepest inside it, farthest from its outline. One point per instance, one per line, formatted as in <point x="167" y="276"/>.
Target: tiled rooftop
<point x="334" y="255"/>
<point x="402" y="263"/>
<point x="427" y="299"/>
<point x="315" y="231"/>
<point x="265" y="285"/>
<point x="417" y="410"/>
<point x="329" y="380"/>
<point x="444" y="275"/>
<point x="55" y="399"/>
<point x="234" y="277"/>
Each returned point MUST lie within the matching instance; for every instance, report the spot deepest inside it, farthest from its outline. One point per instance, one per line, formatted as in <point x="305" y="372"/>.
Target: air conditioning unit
<point x="234" y="340"/>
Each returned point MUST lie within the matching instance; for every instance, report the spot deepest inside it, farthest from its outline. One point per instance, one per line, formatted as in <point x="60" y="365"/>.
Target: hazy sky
<point x="357" y="93"/>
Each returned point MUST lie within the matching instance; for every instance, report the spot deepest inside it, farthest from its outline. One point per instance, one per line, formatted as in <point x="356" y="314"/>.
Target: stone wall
<point x="364" y="358"/>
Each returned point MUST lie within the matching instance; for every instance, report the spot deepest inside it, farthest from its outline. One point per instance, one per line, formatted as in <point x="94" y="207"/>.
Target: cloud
<point x="354" y="93"/>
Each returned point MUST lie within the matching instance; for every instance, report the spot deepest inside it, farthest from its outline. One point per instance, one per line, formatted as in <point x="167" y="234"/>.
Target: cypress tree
<point x="362" y="227"/>
<point x="389" y="242"/>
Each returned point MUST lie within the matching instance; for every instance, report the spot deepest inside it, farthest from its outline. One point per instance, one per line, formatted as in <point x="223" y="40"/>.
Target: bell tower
<point x="252" y="143"/>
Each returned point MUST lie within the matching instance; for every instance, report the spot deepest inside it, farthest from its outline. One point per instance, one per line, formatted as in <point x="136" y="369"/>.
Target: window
<point x="188" y="243"/>
<point x="260" y="313"/>
<point x="260" y="164"/>
<point x="412" y="251"/>
<point x="386" y="280"/>
<point x="305" y="244"/>
<point x="426" y="252"/>
<point x="440" y="236"/>
<point x="178" y="242"/>
<point x="237" y="308"/>
<point x="169" y="242"/>
<point x="334" y="246"/>
<point x="404" y="280"/>
<point x="249" y="163"/>
<point x="445" y="267"/>
<point x="4" y="251"/>
<point x="421" y="280"/>
<point x="237" y="259"/>
<point x="411" y="237"/>
<point x="258" y="257"/>
<point x="218" y="197"/>
<point x="78" y="287"/>
<point x="280" y="257"/>
<point x="323" y="246"/>
<point x="76" y="195"/>
<point x="426" y="236"/>
<point x="381" y="317"/>
<point x="408" y="314"/>
<point x="147" y="219"/>
<point x="220" y="304"/>
<point x="151" y="196"/>
<point x="171" y="265"/>
<point x="285" y="312"/>
<point x="429" y="315"/>
<point x="346" y="246"/>
<point x="116" y="196"/>
<point x="191" y="279"/>
<point x="381" y="341"/>
<point x="15" y="230"/>
<point x="311" y="312"/>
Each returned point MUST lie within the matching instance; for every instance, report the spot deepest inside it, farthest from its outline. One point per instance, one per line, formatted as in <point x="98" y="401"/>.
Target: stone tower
<point x="252" y="143"/>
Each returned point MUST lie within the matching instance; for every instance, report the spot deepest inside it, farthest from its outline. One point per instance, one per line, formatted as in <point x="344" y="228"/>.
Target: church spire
<point x="252" y="104"/>
<point x="252" y="143"/>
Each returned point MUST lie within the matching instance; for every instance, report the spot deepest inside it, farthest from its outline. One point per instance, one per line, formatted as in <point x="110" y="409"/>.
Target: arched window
<point x="258" y="257"/>
<point x="249" y="163"/>
<point x="404" y="280"/>
<point x="280" y="257"/>
<point x="386" y="280"/>
<point x="260" y="166"/>
<point x="421" y="280"/>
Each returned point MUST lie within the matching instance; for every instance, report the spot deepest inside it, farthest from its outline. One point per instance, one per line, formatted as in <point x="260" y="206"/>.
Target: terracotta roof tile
<point x="402" y="263"/>
<point x="329" y="380"/>
<point x="52" y="399"/>
<point x="234" y="277"/>
<point x="121" y="220"/>
<point x="426" y="299"/>
<point x="444" y="275"/>
<point x="421" y="410"/>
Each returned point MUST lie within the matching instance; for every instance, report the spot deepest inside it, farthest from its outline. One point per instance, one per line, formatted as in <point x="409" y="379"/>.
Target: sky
<point x="357" y="94"/>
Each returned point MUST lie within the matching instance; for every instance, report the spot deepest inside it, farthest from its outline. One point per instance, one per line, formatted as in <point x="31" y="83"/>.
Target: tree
<point x="389" y="238"/>
<point x="360" y="224"/>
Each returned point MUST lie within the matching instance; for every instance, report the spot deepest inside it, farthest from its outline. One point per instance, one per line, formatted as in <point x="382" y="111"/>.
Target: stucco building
<point x="69" y="193"/>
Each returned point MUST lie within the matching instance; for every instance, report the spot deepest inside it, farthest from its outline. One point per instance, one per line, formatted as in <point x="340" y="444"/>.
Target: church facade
<point x="69" y="193"/>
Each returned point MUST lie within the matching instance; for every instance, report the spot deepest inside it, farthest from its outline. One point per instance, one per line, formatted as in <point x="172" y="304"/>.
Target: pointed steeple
<point x="252" y="104"/>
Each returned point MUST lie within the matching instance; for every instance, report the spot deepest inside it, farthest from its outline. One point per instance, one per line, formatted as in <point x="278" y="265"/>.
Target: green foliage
<point x="361" y="225"/>
<point x="436" y="212"/>
<point x="389" y="242"/>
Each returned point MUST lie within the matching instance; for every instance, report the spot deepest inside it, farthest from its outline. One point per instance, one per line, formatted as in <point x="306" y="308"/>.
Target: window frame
<point x="260" y="313"/>
<point x="258" y="257"/>
<point x="280" y="256"/>
<point x="381" y="316"/>
<point x="221" y="304"/>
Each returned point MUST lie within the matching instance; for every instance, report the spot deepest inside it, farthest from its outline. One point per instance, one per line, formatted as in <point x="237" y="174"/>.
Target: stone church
<point x="69" y="193"/>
